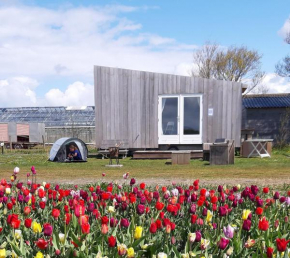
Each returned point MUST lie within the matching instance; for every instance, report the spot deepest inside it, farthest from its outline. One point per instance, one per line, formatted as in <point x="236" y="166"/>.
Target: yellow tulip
<point x="209" y="216"/>
<point x="138" y="232"/>
<point x="2" y="253"/>
<point x="130" y="252"/>
<point x="8" y="190"/>
<point x="246" y="214"/>
<point x="39" y="255"/>
<point x="36" y="227"/>
<point x="61" y="237"/>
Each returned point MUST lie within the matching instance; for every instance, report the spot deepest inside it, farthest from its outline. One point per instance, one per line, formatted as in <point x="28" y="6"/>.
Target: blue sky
<point x="228" y="22"/>
<point x="60" y="41"/>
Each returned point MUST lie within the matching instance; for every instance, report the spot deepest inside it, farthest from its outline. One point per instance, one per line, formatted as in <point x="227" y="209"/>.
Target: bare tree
<point x="283" y="67"/>
<point x="232" y="64"/>
<point x="205" y="59"/>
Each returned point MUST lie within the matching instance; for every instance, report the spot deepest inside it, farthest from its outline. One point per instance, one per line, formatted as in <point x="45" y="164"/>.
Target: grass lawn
<point x="274" y="171"/>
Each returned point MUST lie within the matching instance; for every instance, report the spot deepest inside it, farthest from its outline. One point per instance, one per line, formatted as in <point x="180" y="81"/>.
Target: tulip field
<point x="133" y="219"/>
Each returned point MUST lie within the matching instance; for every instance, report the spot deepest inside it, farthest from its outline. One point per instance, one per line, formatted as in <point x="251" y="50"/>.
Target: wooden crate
<point x="180" y="157"/>
<point x="222" y="153"/>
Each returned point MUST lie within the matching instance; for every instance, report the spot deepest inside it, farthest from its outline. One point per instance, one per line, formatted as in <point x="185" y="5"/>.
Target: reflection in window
<point x="191" y="115"/>
<point x="169" y="116"/>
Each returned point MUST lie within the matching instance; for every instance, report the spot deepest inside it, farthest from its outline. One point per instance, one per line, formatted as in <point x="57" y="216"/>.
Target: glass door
<point x="190" y="119"/>
<point x="168" y="119"/>
<point x="180" y="119"/>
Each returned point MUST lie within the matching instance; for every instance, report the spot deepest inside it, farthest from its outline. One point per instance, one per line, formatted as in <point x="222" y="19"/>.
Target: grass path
<point x="275" y="170"/>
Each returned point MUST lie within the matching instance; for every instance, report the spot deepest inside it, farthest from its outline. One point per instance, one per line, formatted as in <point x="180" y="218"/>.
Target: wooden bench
<point x="106" y="144"/>
<point x="180" y="157"/>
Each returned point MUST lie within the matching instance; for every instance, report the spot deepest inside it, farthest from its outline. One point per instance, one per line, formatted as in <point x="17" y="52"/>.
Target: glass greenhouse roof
<point x="51" y="116"/>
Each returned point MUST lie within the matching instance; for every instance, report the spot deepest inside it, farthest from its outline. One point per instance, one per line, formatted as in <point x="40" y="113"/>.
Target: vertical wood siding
<point x="4" y="133"/>
<point x="22" y="129"/>
<point x="126" y="105"/>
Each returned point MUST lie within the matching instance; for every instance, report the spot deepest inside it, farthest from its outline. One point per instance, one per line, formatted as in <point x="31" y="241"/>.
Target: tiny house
<point x="160" y="111"/>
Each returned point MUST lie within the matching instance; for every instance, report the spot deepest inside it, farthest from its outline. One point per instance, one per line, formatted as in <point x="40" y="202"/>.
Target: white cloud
<point x="37" y="41"/>
<point x="76" y="94"/>
<point x="276" y="84"/>
<point x="285" y="29"/>
<point x="67" y="42"/>
<point x="18" y="91"/>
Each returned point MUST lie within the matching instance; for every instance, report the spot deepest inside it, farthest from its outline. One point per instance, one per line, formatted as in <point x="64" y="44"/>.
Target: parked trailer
<point x="21" y="135"/>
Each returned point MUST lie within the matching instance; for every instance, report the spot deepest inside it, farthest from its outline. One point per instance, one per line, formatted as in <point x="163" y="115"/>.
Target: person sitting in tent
<point x="74" y="153"/>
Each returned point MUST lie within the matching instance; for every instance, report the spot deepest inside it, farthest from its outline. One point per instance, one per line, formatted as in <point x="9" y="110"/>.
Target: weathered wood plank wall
<point x="126" y="104"/>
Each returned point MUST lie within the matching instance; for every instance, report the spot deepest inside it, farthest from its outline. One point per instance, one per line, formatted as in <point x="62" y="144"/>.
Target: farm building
<point x="78" y="122"/>
<point x="163" y="111"/>
<point x="263" y="114"/>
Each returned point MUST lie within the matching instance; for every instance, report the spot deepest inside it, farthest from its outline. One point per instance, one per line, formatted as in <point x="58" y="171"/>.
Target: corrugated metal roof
<point x="267" y="100"/>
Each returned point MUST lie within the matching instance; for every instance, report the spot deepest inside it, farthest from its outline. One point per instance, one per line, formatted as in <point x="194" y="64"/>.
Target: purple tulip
<point x="229" y="231"/>
<point x="192" y="208"/>
<point x="247" y="225"/>
<point x="140" y="209"/>
<point x="254" y="189"/>
<point x="143" y="200"/>
<point x="91" y="207"/>
<point x="156" y="195"/>
<point x="220" y="188"/>
<point x="204" y="212"/>
<point x="276" y="195"/>
<point x="282" y="199"/>
<point x="197" y="236"/>
<point x="124" y="206"/>
<point x="125" y="223"/>
<point x="223" y="243"/>
<point x="223" y="211"/>
<point x="113" y="222"/>
<point x="135" y="190"/>
<point x="20" y="198"/>
<point x="193" y="197"/>
<point x="260" y="203"/>
<point x="47" y="229"/>
<point x="132" y="181"/>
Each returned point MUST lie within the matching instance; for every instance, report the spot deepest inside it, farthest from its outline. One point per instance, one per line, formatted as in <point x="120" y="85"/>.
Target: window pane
<point x="191" y="115"/>
<point x="169" y="116"/>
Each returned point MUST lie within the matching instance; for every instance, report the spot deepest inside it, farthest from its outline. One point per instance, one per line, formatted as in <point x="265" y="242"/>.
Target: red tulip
<point x="26" y="210"/>
<point x="86" y="228"/>
<point x="55" y="213"/>
<point x="42" y="205"/>
<point x="41" y="193"/>
<point x="193" y="219"/>
<point x="263" y="224"/>
<point x="159" y="206"/>
<point x="282" y="244"/>
<point x="259" y="211"/>
<point x="27" y="223"/>
<point x="153" y="228"/>
<point x="266" y="190"/>
<point x="105" y="220"/>
<point x="41" y="244"/>
<point x="270" y="252"/>
<point x="112" y="241"/>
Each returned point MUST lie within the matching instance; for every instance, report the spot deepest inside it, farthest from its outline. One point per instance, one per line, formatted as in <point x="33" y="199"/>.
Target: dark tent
<point x="60" y="149"/>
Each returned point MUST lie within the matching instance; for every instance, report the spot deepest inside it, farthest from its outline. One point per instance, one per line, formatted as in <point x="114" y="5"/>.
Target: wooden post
<point x="10" y="143"/>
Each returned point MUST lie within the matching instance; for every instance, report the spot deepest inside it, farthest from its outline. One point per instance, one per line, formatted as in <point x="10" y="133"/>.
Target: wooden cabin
<point x="154" y="111"/>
